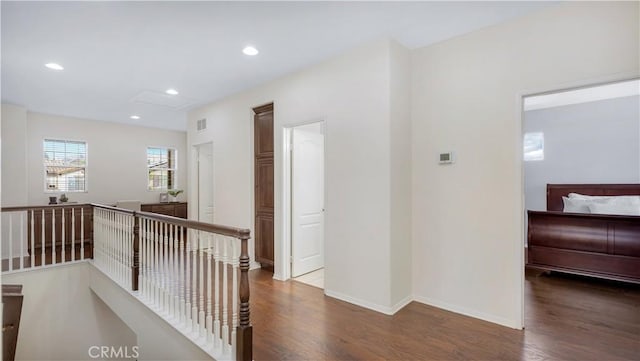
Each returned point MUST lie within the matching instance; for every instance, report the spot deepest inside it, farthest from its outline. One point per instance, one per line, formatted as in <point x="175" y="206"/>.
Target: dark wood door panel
<point x="264" y="135"/>
<point x="264" y="248"/>
<point x="264" y="186"/>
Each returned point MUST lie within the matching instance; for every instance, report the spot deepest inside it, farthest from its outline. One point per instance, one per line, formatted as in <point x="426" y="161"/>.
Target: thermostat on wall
<point x="446" y="158"/>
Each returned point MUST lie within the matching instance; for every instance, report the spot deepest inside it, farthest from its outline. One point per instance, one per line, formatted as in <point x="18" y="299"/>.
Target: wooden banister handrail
<point x="240" y="233"/>
<point x="112" y="208"/>
<point x="54" y="206"/>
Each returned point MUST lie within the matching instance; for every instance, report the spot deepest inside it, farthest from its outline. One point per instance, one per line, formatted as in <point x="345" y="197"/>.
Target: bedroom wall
<point x="595" y="142"/>
<point x="468" y="216"/>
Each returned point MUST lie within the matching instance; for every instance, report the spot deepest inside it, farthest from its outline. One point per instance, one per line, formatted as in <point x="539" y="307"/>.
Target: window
<point x="161" y="164"/>
<point x="65" y="164"/>
<point x="533" y="146"/>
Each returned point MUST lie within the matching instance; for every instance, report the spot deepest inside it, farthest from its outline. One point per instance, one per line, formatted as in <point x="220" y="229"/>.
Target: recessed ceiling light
<point x="250" y="50"/>
<point x="171" y="91"/>
<point x="134" y="117"/>
<point x="54" y="66"/>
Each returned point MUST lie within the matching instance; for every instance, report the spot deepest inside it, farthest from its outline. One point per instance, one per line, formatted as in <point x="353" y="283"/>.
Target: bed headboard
<point x="555" y="192"/>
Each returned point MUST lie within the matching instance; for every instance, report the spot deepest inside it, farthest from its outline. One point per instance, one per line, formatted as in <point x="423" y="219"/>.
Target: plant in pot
<point x="174" y="194"/>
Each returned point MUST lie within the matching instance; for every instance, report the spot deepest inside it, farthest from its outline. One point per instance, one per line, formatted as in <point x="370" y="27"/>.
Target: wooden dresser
<point x="174" y="209"/>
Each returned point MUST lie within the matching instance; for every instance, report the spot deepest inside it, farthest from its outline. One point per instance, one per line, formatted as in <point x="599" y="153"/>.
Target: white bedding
<point x="616" y="205"/>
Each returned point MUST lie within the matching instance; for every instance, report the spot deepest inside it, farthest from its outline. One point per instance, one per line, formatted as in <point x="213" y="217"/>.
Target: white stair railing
<point x="44" y="236"/>
<point x="187" y="272"/>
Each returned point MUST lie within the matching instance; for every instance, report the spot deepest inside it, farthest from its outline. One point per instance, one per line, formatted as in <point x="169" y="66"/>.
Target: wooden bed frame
<point x="604" y="246"/>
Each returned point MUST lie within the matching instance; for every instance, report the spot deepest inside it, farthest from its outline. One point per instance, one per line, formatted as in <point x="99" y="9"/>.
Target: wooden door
<point x="263" y="149"/>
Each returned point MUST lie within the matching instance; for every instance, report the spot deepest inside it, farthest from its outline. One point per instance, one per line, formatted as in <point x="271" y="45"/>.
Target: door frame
<point x="287" y="189"/>
<point x="553" y="88"/>
<point x="194" y="196"/>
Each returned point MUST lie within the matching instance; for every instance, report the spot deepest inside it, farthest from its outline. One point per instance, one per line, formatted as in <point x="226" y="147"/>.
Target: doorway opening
<point x="580" y="153"/>
<point x="304" y="206"/>
<point x="204" y="182"/>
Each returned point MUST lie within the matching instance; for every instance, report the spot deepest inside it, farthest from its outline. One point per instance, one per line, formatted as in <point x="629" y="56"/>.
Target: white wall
<point x="467" y="217"/>
<point x="13" y="132"/>
<point x="351" y="94"/>
<point x="14" y="155"/>
<point x="594" y="142"/>
<point x="157" y="338"/>
<point x="61" y="318"/>
<point x="400" y="175"/>
<point x="117" y="158"/>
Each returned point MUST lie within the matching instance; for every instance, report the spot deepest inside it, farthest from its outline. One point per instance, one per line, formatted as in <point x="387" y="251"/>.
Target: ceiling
<point x="120" y="57"/>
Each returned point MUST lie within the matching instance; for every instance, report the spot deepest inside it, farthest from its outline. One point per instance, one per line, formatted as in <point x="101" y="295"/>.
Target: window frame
<point x="174" y="169"/>
<point x="86" y="165"/>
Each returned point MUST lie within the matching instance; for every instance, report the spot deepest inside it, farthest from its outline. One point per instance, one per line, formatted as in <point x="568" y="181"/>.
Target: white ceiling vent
<point x="202" y="124"/>
<point x="163" y="100"/>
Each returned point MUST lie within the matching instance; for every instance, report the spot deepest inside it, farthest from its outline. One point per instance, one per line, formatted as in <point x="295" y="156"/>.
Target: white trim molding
<point x="468" y="312"/>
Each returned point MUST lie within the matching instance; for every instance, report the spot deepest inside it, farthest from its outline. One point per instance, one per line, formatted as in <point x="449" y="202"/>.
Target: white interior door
<point x="307" y="201"/>
<point x="205" y="183"/>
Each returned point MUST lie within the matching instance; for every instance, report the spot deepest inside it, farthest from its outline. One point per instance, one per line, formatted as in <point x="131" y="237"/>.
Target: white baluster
<point x="42" y="256"/>
<point x="225" y="296"/>
<point x="63" y="227"/>
<point x="166" y="269"/>
<point x="209" y="319"/>
<point x="187" y="271"/>
<point x="235" y="262"/>
<point x="141" y="278"/>
<point x="176" y="272"/>
<point x="181" y="266"/>
<point x="150" y="267"/>
<point x="33" y="240"/>
<point x="148" y="258"/>
<point x="53" y="236"/>
<point x="112" y="269"/>
<point x="22" y="240"/>
<point x="82" y="233"/>
<point x="73" y="234"/>
<point x="163" y="267"/>
<point x="194" y="299"/>
<point x="216" y="297"/>
<point x="10" y="241"/>
<point x="156" y="291"/>
<point x="201" y="314"/>
<point x="172" y="304"/>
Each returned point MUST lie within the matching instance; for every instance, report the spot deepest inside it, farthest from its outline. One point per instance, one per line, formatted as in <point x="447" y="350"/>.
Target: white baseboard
<point x="254" y="265"/>
<point x="400" y="305"/>
<point x="370" y="305"/>
<point x="467" y="312"/>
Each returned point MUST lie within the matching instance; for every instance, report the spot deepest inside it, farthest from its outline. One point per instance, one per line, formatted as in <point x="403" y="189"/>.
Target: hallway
<point x="567" y="318"/>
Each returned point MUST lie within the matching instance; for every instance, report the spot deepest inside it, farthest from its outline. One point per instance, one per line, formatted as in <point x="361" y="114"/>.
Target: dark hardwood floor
<point x="567" y="318"/>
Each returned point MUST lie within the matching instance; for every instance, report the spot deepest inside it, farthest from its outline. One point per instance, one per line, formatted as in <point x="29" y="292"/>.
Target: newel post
<point x="244" y="334"/>
<point x="135" y="266"/>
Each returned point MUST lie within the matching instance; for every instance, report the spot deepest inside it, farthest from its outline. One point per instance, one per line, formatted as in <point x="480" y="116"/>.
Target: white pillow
<point x="575" y="205"/>
<point x="632" y="199"/>
<point x="584" y="196"/>
<point x="617" y="208"/>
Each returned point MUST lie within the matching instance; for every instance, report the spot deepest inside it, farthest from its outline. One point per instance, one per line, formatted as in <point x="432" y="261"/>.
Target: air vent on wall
<point x="202" y="124"/>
